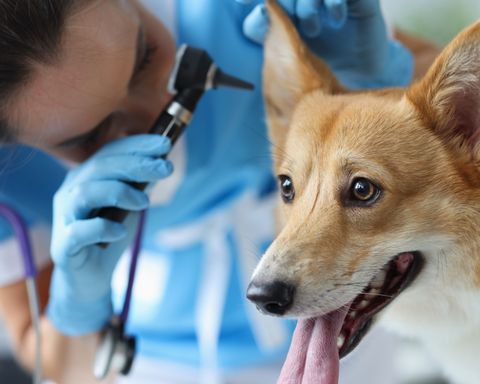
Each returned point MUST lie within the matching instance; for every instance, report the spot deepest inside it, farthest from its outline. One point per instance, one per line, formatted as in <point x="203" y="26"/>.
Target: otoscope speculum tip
<point x="222" y="79"/>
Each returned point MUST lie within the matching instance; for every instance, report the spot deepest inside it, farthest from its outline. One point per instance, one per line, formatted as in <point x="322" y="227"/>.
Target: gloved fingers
<point x="255" y="25"/>
<point x="144" y="144"/>
<point x="361" y="9"/>
<point x="334" y="13"/>
<point x="288" y="6"/>
<point x="308" y="14"/>
<point x="90" y="195"/>
<point x="312" y="14"/>
<point x="79" y="234"/>
<point x="121" y="167"/>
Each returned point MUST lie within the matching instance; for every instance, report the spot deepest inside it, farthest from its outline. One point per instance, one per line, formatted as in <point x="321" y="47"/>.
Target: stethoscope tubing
<point x="21" y="233"/>
<point x="133" y="267"/>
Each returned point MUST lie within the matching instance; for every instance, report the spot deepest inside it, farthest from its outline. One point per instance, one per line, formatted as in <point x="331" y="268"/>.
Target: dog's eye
<point x="286" y="186"/>
<point x="364" y="190"/>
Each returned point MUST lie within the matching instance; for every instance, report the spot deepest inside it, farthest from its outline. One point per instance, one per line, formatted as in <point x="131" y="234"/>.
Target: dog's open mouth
<point x="392" y="279"/>
<point x="320" y="342"/>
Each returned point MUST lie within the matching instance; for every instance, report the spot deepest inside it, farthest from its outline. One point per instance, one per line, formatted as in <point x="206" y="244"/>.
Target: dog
<point x="380" y="208"/>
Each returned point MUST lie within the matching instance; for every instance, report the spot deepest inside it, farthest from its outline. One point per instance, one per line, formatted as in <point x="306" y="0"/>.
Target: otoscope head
<point x="195" y="69"/>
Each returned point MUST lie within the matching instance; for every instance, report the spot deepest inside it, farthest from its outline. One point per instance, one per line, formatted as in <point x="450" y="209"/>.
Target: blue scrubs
<point x="193" y="310"/>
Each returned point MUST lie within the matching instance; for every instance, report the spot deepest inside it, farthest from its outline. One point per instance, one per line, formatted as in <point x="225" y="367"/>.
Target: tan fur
<point x="420" y="147"/>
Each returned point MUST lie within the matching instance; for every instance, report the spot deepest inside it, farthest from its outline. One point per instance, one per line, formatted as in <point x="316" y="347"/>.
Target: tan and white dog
<point x="381" y="201"/>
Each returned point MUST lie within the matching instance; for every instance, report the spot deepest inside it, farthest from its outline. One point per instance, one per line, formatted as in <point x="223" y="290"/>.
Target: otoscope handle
<point x="194" y="73"/>
<point x="171" y="123"/>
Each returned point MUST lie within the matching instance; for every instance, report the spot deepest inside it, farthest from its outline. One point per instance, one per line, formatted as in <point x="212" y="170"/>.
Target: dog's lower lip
<point x="356" y="327"/>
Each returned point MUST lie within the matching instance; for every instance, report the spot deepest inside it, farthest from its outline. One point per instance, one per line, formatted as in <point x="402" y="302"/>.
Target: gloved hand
<point x="80" y="293"/>
<point x="349" y="35"/>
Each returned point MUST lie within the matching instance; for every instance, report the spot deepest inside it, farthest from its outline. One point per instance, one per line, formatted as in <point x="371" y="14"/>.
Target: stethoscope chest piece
<point x="115" y="352"/>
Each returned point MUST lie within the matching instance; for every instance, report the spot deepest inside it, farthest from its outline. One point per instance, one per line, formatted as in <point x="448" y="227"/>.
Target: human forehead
<point x="93" y="73"/>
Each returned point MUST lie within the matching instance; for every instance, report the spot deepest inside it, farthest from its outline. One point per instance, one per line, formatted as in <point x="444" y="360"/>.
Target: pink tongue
<point x="313" y="355"/>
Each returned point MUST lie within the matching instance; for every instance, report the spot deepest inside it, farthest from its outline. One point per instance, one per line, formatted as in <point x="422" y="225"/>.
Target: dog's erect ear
<point x="448" y="97"/>
<point x="290" y="71"/>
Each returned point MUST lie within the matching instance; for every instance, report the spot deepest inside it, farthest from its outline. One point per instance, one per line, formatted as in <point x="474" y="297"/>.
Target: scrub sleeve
<point x="28" y="181"/>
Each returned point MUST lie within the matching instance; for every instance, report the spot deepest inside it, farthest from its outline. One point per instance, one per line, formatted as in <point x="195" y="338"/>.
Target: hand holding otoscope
<point x="193" y="74"/>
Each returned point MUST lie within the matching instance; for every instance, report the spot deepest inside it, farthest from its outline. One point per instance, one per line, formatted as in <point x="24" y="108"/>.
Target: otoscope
<point x="194" y="73"/>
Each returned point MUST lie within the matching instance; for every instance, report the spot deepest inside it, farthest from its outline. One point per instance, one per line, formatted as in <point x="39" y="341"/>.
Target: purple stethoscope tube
<point x="133" y="267"/>
<point x="20" y="231"/>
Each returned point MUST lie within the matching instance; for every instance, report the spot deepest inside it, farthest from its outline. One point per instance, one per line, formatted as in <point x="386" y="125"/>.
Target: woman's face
<point x="110" y="82"/>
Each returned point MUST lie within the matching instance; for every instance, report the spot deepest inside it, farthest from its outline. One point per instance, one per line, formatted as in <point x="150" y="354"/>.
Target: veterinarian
<point x="81" y="84"/>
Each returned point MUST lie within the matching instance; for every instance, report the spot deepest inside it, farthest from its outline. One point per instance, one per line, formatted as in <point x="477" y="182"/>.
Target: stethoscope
<point x="21" y="233"/>
<point x="194" y="73"/>
<point x="115" y="350"/>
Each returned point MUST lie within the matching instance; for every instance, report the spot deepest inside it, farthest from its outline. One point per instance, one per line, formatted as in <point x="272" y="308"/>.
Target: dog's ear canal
<point x="290" y="70"/>
<point x="448" y="97"/>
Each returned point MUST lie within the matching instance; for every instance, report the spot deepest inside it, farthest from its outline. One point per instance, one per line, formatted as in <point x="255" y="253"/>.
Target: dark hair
<point x="31" y="33"/>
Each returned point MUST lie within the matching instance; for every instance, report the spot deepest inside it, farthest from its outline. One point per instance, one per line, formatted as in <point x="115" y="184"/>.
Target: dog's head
<point x="375" y="186"/>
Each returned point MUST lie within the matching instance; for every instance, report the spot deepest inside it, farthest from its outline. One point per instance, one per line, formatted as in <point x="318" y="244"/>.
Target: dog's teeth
<point x="379" y="280"/>
<point x="372" y="293"/>
<point x="363" y="304"/>
<point x="340" y="340"/>
<point x="352" y="314"/>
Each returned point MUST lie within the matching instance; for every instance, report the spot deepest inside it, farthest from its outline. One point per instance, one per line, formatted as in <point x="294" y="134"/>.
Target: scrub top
<point x="208" y="224"/>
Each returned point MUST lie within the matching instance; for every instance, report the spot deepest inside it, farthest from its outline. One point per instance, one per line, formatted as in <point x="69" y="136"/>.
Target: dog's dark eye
<point x="364" y="190"/>
<point x="286" y="187"/>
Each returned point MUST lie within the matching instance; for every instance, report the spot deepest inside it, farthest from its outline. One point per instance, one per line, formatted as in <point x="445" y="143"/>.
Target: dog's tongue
<point x="313" y="355"/>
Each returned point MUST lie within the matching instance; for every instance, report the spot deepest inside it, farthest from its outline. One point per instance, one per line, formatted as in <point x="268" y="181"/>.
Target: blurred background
<point x="438" y="21"/>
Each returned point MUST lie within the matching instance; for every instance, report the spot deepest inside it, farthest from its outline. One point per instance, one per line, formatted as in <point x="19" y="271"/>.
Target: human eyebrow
<point x="141" y="51"/>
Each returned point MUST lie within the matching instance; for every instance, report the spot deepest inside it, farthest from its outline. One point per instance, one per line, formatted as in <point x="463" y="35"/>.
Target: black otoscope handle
<point x="171" y="123"/>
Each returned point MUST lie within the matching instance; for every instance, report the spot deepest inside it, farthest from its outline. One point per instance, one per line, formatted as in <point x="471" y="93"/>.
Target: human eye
<point x="147" y="57"/>
<point x="90" y="138"/>
<point x="98" y="133"/>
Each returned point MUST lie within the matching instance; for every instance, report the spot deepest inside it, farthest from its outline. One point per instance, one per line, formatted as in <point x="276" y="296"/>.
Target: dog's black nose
<point x="272" y="298"/>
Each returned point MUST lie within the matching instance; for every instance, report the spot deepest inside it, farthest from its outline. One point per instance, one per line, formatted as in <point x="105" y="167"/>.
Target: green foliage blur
<point x="437" y="20"/>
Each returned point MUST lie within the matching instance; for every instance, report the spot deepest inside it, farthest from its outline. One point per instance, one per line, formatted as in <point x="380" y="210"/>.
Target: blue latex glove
<point x="80" y="293"/>
<point x="350" y="35"/>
